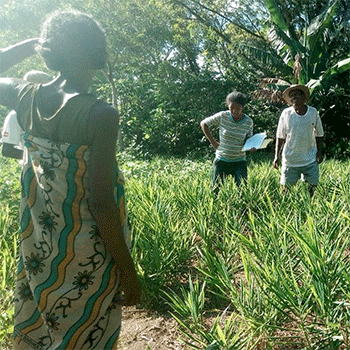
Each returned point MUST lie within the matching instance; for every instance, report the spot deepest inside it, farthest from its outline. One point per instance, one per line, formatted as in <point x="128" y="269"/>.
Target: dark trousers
<point x="223" y="169"/>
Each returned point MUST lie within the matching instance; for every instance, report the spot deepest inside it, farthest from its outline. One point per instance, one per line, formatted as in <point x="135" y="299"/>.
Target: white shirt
<point x="299" y="132"/>
<point x="12" y="133"/>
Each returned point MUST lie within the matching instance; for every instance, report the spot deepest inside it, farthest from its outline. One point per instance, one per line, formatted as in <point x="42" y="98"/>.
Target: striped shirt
<point x="232" y="135"/>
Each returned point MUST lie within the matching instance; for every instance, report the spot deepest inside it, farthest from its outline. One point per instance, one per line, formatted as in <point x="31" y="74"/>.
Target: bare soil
<point x="147" y="330"/>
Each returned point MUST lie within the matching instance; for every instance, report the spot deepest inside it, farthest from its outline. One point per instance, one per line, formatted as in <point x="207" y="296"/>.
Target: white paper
<point x="257" y="141"/>
<point x="265" y="143"/>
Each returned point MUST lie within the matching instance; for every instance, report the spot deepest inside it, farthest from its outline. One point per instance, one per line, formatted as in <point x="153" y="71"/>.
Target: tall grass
<point x="9" y="199"/>
<point x="252" y="269"/>
<point x="273" y="268"/>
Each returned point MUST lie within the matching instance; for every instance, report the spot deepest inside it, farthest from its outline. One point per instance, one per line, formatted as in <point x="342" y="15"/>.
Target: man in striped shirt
<point x="234" y="128"/>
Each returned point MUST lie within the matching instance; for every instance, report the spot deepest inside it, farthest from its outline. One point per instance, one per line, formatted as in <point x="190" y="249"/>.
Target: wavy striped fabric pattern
<point x="67" y="288"/>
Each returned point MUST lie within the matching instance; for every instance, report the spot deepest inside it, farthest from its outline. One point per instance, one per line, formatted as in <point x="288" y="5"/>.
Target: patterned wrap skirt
<point x="67" y="289"/>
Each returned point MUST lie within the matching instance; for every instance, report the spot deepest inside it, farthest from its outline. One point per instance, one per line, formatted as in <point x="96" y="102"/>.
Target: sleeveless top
<point x="68" y="288"/>
<point x="69" y="124"/>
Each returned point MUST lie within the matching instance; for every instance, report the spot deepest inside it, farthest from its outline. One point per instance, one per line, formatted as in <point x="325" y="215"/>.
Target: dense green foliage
<point x="172" y="62"/>
<point x="276" y="266"/>
<point x="252" y="269"/>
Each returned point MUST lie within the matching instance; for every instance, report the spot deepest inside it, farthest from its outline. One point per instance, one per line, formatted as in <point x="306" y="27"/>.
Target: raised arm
<point x="10" y="56"/>
<point x="16" y="53"/>
<point x="102" y="203"/>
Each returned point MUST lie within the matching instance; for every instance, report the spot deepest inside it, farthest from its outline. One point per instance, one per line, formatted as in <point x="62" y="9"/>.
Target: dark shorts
<point x="222" y="169"/>
<point x="308" y="173"/>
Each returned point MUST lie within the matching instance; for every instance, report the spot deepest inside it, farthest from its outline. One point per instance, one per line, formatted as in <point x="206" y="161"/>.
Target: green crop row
<point x="252" y="269"/>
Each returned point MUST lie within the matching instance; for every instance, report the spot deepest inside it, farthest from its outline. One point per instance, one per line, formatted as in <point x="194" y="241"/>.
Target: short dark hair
<point x="63" y="32"/>
<point x="238" y="97"/>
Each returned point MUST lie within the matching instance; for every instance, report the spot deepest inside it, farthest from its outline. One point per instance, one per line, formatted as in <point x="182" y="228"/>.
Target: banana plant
<point x="324" y="82"/>
<point x="308" y="45"/>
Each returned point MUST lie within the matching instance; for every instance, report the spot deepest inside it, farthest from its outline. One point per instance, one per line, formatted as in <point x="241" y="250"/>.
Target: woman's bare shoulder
<point x="103" y="110"/>
<point x="10" y="89"/>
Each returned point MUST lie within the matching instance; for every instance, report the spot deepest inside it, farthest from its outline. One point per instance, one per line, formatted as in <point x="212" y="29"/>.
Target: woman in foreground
<point x="74" y="260"/>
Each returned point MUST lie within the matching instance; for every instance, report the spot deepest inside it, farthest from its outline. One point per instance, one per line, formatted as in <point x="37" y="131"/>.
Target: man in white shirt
<point x="299" y="140"/>
<point x="12" y="133"/>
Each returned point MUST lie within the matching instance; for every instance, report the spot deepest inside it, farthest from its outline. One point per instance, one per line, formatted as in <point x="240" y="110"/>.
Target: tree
<point x="297" y="41"/>
<point x="288" y="41"/>
<point x="172" y="62"/>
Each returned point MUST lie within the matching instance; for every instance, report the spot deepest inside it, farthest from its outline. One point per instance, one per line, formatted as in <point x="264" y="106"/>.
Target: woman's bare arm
<point x="102" y="203"/>
<point x="16" y="53"/>
<point x="9" y="57"/>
